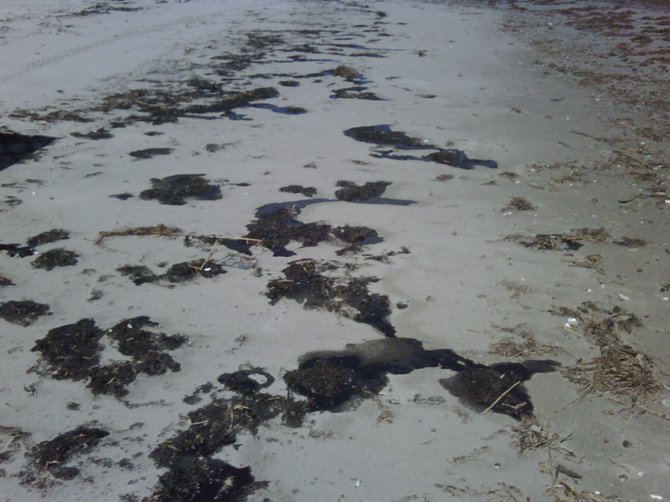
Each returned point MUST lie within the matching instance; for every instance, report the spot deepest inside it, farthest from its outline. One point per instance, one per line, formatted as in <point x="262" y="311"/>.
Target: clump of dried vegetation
<point x="619" y="370"/>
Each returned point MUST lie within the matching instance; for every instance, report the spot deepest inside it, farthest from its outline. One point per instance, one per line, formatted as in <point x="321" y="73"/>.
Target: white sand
<point x="491" y="101"/>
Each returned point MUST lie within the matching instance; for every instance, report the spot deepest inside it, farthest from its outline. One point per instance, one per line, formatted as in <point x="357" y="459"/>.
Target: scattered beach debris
<point x="351" y="192"/>
<point x="519" y="204"/>
<point x="383" y="135"/>
<point x="101" y="133"/>
<point x="355" y="92"/>
<point x="173" y="190"/>
<point x="53" y="455"/>
<point x="73" y="352"/>
<point x="179" y="272"/>
<point x="247" y="381"/>
<point x="54" y="235"/>
<point x="563" y="242"/>
<point x="306" y="191"/>
<point x="15" y="147"/>
<point x="23" y="312"/>
<point x="156" y="230"/>
<point x="147" y="153"/>
<point x="53" y="258"/>
<point x="304" y="281"/>
<point x="630" y="242"/>
<point x="444" y="177"/>
<point x="347" y="72"/>
<point x="620" y="369"/>
<point x="276" y="226"/>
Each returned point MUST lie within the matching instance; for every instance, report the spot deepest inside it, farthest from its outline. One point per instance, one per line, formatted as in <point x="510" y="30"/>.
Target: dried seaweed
<point x="519" y="204"/>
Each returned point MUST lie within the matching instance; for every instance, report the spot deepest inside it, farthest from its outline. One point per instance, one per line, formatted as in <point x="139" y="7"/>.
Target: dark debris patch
<point x="16" y="147"/>
<point x="24" y="312"/>
<point x="276" y="226"/>
<point x="73" y="352"/>
<point x="196" y="479"/>
<point x="231" y="101"/>
<point x="306" y="191"/>
<point x="53" y="258"/>
<point x="355" y="92"/>
<point x="174" y="190"/>
<point x="5" y="281"/>
<point x="56" y="234"/>
<point x="179" y="272"/>
<point x="548" y="242"/>
<point x="148" y="153"/>
<point x="351" y="192"/>
<point x="70" y="351"/>
<point x="101" y="133"/>
<point x="17" y="250"/>
<point x="383" y="135"/>
<point x="53" y="455"/>
<point x="247" y="381"/>
<point x="304" y="281"/>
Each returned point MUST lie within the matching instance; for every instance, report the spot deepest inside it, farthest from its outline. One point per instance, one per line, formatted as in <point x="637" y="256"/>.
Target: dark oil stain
<point x="15" y="147"/>
<point x="173" y="190"/>
<point x="24" y="312"/>
<point x="370" y="193"/>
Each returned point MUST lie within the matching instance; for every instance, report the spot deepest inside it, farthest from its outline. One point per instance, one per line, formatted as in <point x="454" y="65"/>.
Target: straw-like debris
<point x="620" y="369"/>
<point x="530" y="435"/>
<point x="519" y="204"/>
<point x="156" y="230"/>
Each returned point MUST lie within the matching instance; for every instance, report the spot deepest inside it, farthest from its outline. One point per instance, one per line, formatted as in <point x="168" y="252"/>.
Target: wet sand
<point x="300" y="251"/>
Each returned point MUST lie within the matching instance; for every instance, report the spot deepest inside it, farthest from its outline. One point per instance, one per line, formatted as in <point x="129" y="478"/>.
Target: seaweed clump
<point x="276" y="226"/>
<point x="55" y="258"/>
<point x="384" y="135"/>
<point x="52" y="455"/>
<point x="179" y="272"/>
<point x="306" y="283"/>
<point x="306" y="191"/>
<point x="173" y="190"/>
<point x="23" y="313"/>
<point x="73" y="352"/>
<point x="193" y="474"/>
<point x="351" y="192"/>
<point x="147" y="153"/>
<point x="57" y="234"/>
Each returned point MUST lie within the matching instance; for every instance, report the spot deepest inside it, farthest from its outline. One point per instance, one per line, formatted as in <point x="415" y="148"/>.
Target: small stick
<point x="501" y="397"/>
<point x="640" y="406"/>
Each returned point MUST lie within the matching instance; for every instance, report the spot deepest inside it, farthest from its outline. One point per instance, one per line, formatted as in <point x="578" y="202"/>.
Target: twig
<point x="634" y="159"/>
<point x="640" y="406"/>
<point x="501" y="397"/>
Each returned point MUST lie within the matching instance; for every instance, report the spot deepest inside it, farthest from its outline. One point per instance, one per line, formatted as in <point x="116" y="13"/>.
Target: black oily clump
<point x="174" y="190"/>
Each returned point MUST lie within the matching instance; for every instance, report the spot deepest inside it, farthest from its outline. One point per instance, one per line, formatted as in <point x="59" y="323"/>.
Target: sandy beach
<point x="333" y="250"/>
